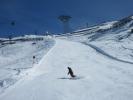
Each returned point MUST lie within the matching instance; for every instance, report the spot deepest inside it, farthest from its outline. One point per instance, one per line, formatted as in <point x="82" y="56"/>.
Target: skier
<point x="70" y="72"/>
<point x="34" y="57"/>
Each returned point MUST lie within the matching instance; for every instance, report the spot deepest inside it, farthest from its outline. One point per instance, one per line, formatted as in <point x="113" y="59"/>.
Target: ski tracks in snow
<point x="106" y="54"/>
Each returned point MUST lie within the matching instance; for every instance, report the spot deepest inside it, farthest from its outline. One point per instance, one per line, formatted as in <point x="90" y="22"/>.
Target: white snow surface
<point x="16" y="58"/>
<point x="99" y="77"/>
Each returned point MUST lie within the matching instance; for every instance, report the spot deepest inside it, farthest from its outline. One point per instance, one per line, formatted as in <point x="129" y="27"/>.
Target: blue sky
<point x="41" y="15"/>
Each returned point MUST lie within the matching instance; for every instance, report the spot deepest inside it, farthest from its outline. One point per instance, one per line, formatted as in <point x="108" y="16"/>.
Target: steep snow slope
<point x="16" y="58"/>
<point x="109" y="30"/>
<point x="100" y="78"/>
<point x="115" y="38"/>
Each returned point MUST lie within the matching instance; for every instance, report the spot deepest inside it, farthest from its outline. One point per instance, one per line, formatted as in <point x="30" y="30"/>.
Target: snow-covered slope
<point x="113" y="29"/>
<point x="100" y="56"/>
<point x="99" y="77"/>
<point x="114" y="38"/>
<point x="18" y="57"/>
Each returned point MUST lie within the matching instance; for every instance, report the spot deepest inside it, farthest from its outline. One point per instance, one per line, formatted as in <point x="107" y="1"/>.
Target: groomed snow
<point x="101" y="78"/>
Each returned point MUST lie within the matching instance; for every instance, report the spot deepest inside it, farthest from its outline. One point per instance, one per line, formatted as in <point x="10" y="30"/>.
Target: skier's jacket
<point x="70" y="72"/>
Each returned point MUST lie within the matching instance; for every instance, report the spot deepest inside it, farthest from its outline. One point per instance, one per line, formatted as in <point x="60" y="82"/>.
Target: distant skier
<point x="34" y="57"/>
<point x="70" y="72"/>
